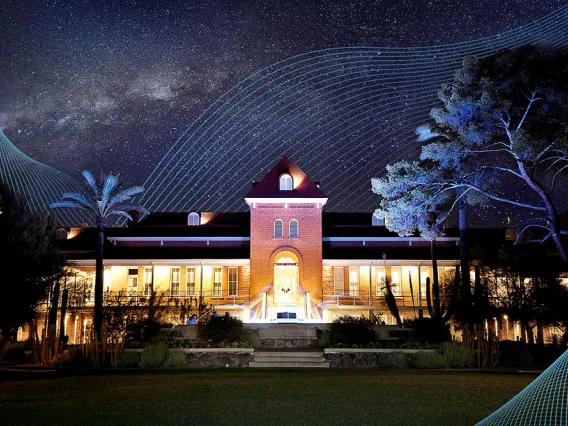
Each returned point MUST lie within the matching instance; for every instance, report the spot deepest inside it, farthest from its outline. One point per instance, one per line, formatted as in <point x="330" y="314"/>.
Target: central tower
<point x="286" y="239"/>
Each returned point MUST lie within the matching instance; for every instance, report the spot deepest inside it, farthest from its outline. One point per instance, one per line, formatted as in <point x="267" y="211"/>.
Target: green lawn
<point x="329" y="397"/>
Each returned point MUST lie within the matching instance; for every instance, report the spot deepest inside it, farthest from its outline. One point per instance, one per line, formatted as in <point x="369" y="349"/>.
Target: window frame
<point x="233" y="291"/>
<point x="217" y="285"/>
<point x="189" y="292"/>
<point x="338" y="271"/>
<point x="396" y="287"/>
<point x="172" y="282"/>
<point x="132" y="281"/>
<point x="281" y="229"/>
<point x="147" y="285"/>
<point x="381" y="276"/>
<point x="191" y="217"/>
<point x="284" y="180"/>
<point x="290" y="229"/>
<point x="354" y="286"/>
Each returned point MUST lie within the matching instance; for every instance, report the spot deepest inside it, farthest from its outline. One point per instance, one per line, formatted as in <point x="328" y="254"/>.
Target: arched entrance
<point x="286" y="279"/>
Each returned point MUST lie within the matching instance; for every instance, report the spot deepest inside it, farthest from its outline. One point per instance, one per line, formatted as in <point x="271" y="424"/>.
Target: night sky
<point x="113" y="85"/>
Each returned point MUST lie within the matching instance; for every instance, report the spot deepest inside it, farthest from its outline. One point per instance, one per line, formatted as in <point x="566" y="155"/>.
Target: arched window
<point x="61" y="234"/>
<point x="293" y="228"/>
<point x="286" y="183"/>
<point x="278" y="229"/>
<point x="193" y="219"/>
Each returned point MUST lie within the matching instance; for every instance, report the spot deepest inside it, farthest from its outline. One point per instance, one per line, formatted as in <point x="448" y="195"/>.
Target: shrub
<point x="515" y="354"/>
<point x="351" y="331"/>
<point x="72" y="358"/>
<point x="456" y="355"/>
<point x="129" y="360"/>
<point x="142" y="331"/>
<point x="253" y="339"/>
<point x="222" y="329"/>
<point x="176" y="359"/>
<point x="13" y="352"/>
<point x="392" y="360"/>
<point x="428" y="360"/>
<point x="430" y="330"/>
<point x="154" y="356"/>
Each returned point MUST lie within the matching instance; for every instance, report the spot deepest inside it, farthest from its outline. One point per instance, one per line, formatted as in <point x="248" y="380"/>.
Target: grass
<point x="235" y="397"/>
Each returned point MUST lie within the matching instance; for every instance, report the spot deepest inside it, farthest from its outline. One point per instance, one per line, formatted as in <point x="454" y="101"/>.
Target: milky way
<point x="113" y="85"/>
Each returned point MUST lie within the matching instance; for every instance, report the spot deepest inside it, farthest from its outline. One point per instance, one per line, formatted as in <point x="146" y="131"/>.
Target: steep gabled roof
<point x="269" y="186"/>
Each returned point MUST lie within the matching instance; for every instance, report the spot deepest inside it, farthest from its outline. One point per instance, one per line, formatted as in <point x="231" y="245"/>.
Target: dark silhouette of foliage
<point x="30" y="262"/>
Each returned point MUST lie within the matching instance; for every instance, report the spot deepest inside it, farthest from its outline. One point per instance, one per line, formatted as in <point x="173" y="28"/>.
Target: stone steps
<point x="289" y="359"/>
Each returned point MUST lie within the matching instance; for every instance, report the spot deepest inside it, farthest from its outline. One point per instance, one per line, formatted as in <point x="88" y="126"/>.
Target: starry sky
<point x="111" y="85"/>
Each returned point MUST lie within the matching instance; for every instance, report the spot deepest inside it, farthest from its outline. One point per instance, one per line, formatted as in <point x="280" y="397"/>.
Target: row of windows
<point x="395" y="280"/>
<point x="232" y="272"/>
<point x="293" y="231"/>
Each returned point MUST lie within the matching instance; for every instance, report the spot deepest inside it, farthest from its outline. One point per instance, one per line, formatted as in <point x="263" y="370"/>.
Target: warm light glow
<point x="73" y="232"/>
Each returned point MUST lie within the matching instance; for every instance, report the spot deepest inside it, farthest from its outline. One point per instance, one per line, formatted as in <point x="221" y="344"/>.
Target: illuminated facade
<point x="285" y="259"/>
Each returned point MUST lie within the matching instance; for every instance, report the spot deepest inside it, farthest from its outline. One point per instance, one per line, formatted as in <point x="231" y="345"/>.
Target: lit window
<point x="190" y="281"/>
<point x="395" y="281"/>
<point x="354" y="281"/>
<point x="217" y="281"/>
<point x="174" y="282"/>
<point x="423" y="278"/>
<point x="61" y="234"/>
<point x="286" y="182"/>
<point x="193" y="219"/>
<point x="293" y="231"/>
<point x="381" y="279"/>
<point x="338" y="279"/>
<point x="233" y="281"/>
<point x="278" y="229"/>
<point x="132" y="281"/>
<point x="147" y="281"/>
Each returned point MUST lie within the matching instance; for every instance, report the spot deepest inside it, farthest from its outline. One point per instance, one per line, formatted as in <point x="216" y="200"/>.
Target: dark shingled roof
<point x="269" y="186"/>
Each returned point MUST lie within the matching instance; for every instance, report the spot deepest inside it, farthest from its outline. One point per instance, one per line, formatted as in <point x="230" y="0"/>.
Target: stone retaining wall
<point x="214" y="357"/>
<point x="370" y="358"/>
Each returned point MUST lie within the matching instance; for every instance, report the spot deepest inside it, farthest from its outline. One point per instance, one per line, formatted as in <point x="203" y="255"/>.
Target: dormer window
<point x="286" y="183"/>
<point x="193" y="219"/>
<point x="61" y="234"/>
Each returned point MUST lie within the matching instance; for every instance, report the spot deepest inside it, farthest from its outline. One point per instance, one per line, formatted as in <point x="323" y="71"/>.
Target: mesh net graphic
<point x="543" y="402"/>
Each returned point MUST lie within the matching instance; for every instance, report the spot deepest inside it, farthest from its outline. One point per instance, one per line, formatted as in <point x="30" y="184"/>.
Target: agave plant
<point x="104" y="198"/>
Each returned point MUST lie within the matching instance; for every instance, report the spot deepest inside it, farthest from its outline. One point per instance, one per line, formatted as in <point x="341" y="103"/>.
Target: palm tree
<point x="104" y="198"/>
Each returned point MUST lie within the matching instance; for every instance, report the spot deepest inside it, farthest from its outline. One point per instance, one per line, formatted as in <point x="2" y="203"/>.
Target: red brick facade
<point x="307" y="247"/>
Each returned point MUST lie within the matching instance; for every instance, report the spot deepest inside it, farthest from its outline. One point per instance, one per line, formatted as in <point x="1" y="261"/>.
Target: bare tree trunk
<point x="99" y="275"/>
<point x="553" y="219"/>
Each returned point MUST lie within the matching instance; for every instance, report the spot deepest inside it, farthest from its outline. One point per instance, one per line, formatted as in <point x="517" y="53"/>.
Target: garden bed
<point x="208" y="357"/>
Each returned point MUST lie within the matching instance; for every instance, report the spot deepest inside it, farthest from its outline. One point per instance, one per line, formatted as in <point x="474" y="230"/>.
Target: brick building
<point x="285" y="259"/>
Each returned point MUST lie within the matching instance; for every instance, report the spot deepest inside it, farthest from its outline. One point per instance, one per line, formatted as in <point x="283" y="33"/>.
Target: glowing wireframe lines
<point x="37" y="184"/>
<point x="543" y="402"/>
<point x="327" y="110"/>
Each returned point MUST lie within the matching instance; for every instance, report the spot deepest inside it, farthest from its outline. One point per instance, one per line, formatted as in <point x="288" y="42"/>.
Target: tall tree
<point x="504" y="123"/>
<point x="29" y="262"/>
<point x="103" y="198"/>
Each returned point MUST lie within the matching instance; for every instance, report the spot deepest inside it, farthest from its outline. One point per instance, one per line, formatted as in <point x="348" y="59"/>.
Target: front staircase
<point x="288" y="359"/>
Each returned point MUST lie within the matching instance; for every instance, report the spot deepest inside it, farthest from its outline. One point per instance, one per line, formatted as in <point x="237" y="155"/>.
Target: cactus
<point x="436" y="308"/>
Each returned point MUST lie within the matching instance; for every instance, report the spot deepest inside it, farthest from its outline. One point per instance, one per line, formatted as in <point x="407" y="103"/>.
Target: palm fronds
<point x="105" y="198"/>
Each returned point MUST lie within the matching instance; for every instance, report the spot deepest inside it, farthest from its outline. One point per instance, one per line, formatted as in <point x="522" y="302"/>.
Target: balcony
<point x="181" y="298"/>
